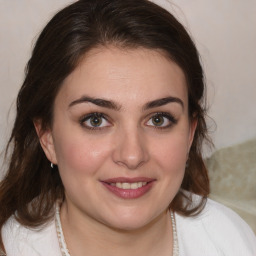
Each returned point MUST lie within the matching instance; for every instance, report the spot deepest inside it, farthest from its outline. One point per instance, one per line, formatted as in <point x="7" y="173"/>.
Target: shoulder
<point x="23" y="241"/>
<point x="217" y="230"/>
<point x="222" y="219"/>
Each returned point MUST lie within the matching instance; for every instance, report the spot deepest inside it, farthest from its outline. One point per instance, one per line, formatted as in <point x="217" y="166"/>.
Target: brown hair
<point x="30" y="187"/>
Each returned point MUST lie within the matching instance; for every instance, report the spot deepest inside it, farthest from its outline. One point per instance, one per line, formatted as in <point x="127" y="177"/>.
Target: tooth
<point x="119" y="185"/>
<point x="134" y="185"/>
<point x="126" y="185"/>
<point x="139" y="184"/>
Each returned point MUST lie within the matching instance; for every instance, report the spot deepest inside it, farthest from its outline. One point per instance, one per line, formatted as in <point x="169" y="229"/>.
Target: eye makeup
<point x="94" y="121"/>
<point x="99" y="121"/>
<point x="161" y="120"/>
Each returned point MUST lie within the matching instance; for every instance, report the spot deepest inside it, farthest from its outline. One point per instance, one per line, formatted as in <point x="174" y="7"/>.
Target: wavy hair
<point x="30" y="187"/>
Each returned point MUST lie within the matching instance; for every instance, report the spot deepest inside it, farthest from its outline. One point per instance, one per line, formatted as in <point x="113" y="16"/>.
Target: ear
<point x="192" y="129"/>
<point x="46" y="141"/>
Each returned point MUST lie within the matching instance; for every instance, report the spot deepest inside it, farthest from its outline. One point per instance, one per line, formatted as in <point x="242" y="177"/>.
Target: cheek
<point x="171" y="153"/>
<point x="80" y="156"/>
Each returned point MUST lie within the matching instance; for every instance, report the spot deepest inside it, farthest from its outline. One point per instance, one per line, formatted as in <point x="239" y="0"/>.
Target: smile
<point x="126" y="185"/>
<point x="126" y="188"/>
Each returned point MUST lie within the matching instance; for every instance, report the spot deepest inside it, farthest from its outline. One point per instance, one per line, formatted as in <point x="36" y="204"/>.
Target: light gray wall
<point x="224" y="32"/>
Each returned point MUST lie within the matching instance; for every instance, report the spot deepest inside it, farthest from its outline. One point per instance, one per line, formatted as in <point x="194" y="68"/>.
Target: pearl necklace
<point x="64" y="249"/>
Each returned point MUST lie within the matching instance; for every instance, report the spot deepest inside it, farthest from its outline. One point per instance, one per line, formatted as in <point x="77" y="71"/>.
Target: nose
<point x="130" y="150"/>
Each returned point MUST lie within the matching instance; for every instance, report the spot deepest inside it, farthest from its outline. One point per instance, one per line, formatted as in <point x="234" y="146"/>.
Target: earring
<point x="187" y="163"/>
<point x="52" y="166"/>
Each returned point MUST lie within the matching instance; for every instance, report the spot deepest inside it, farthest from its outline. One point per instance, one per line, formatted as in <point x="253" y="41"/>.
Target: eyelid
<point x="167" y="115"/>
<point x="86" y="117"/>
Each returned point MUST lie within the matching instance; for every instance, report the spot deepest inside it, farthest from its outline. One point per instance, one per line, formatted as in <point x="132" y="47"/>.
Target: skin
<point x="128" y="144"/>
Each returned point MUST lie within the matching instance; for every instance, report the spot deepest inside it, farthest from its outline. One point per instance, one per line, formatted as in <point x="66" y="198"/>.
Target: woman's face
<point x="121" y="136"/>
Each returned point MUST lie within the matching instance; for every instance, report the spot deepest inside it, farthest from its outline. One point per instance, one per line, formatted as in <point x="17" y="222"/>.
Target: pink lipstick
<point x="129" y="188"/>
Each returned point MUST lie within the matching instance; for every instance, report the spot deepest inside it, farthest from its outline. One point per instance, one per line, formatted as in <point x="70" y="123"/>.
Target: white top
<point x="216" y="231"/>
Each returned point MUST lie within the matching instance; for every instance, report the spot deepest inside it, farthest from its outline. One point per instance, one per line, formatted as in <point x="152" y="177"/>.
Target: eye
<point x="94" y="121"/>
<point x="161" y="120"/>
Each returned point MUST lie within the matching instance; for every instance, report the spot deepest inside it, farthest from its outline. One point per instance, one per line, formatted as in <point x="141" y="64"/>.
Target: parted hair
<point x="30" y="187"/>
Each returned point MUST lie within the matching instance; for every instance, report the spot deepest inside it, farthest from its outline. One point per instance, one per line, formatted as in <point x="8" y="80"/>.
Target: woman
<point x="106" y="146"/>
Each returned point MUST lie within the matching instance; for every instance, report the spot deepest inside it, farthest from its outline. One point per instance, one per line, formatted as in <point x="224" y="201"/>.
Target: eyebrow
<point x="162" y="102"/>
<point x="115" y="106"/>
<point x="99" y="102"/>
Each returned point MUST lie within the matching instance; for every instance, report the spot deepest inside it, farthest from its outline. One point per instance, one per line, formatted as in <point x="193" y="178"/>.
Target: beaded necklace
<point x="64" y="249"/>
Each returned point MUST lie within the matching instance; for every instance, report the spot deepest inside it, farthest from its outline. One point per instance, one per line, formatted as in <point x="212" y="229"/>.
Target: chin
<point x="128" y="226"/>
<point x="132" y="221"/>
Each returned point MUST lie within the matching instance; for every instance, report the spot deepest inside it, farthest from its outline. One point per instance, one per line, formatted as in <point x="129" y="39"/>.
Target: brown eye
<point x="95" y="121"/>
<point x="158" y="120"/>
<point x="161" y="120"/>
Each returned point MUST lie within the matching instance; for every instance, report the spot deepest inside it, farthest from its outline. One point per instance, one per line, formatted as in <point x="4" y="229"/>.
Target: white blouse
<point x="216" y="231"/>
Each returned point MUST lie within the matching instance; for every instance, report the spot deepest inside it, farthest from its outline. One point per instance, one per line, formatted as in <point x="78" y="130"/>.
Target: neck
<point x="86" y="236"/>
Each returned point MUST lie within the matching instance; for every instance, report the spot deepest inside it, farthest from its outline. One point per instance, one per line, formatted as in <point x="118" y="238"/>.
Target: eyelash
<point x="167" y="115"/>
<point x="170" y="118"/>
<point x="91" y="115"/>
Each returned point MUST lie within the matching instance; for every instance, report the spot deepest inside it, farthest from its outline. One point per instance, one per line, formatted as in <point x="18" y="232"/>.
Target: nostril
<point x="130" y="150"/>
<point x="132" y="165"/>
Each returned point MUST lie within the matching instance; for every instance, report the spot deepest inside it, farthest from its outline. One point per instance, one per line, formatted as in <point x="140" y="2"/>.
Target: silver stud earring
<point x="187" y="163"/>
<point x="52" y="165"/>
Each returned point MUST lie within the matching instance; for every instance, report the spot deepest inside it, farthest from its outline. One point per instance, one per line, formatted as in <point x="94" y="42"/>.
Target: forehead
<point x="132" y="74"/>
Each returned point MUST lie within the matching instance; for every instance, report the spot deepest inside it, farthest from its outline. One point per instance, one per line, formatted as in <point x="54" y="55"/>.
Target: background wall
<point x="224" y="32"/>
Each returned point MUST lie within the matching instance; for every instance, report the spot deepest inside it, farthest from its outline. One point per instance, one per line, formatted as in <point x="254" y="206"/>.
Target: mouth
<point x="126" y="185"/>
<point x="128" y="188"/>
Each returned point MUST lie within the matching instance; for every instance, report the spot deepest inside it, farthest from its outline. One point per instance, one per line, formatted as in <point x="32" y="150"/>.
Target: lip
<point x="128" y="179"/>
<point x="129" y="193"/>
